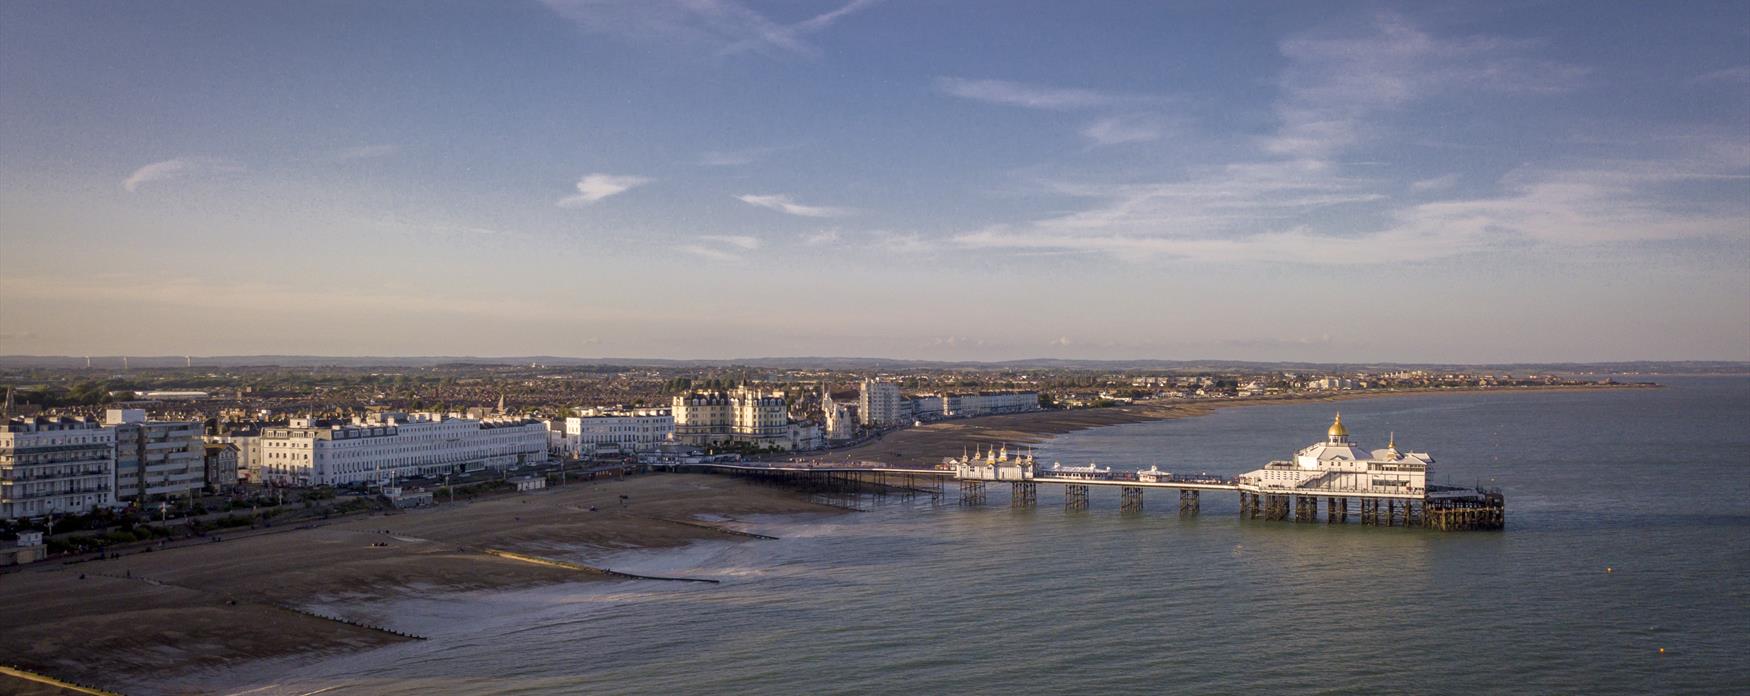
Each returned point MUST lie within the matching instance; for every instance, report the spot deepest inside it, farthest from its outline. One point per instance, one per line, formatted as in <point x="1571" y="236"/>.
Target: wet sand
<point x="138" y="619"/>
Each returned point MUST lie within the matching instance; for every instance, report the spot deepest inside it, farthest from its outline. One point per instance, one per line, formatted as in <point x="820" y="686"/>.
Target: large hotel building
<point x="392" y="445"/>
<point x="55" y="466"/>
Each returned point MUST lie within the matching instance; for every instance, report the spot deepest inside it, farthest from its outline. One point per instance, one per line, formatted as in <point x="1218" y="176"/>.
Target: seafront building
<point x="55" y="466"/>
<point x="879" y="404"/>
<point x="388" y="446"/>
<point x="988" y="403"/>
<point x="1338" y="465"/>
<point x="602" y="431"/>
<point x="841" y="418"/>
<point x="741" y="416"/>
<point x="155" y="458"/>
<point x="220" y="464"/>
<point x="248" y="444"/>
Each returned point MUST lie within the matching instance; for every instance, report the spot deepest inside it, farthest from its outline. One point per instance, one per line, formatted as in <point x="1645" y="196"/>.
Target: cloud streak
<point x="1029" y="96"/>
<point x="595" y="187"/>
<point x="724" y="27"/>
<point x="179" y="168"/>
<point x="784" y="204"/>
<point x="1118" y="131"/>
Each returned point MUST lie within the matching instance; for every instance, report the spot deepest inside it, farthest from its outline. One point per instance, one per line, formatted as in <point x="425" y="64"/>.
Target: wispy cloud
<point x="736" y="158"/>
<point x="366" y="152"/>
<point x="723" y="26"/>
<point x="1294" y="201"/>
<point x="1735" y="75"/>
<point x="721" y="247"/>
<point x="784" y="204"/>
<point x="1116" y="130"/>
<point x="904" y="242"/>
<point x="1613" y="202"/>
<point x="179" y="168"/>
<point x="1029" y="96"/>
<point x="1334" y="84"/>
<point x="708" y="252"/>
<point x="739" y="241"/>
<point x="595" y="187"/>
<point x="1439" y="183"/>
<point x="823" y="237"/>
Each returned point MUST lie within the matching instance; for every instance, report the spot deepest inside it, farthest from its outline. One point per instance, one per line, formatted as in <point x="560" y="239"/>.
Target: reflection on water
<point x="924" y="598"/>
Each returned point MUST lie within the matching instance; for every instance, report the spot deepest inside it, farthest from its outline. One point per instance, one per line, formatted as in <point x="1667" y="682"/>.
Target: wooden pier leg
<point x="1023" y="494"/>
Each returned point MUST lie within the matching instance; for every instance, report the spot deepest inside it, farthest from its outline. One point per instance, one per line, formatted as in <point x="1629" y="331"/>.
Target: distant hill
<point x="864" y="363"/>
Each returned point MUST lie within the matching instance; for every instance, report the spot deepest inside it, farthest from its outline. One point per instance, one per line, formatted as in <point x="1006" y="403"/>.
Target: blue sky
<point x="1298" y="181"/>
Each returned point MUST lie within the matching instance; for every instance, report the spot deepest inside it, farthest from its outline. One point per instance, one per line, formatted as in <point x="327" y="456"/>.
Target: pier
<point x="1435" y="508"/>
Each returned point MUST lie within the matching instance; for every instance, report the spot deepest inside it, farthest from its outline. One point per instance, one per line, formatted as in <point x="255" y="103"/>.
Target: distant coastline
<point x="924" y="446"/>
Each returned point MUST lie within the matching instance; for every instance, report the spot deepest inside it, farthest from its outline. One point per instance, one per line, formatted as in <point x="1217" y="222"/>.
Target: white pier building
<point x="1337" y="465"/>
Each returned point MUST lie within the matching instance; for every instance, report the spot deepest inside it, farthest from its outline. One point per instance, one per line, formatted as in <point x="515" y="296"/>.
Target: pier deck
<point x="1439" y="507"/>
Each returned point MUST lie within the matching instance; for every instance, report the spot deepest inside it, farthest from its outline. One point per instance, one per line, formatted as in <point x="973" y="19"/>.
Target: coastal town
<point x="180" y="488"/>
<point x="94" y="458"/>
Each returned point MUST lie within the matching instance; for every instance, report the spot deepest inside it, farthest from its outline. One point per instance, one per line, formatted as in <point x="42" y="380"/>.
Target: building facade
<point x="220" y="466"/>
<point x="988" y="403"/>
<point x="389" y="446"/>
<point x="248" y="444"/>
<point x="56" y="466"/>
<point x="155" y="458"/>
<point x="742" y="415"/>
<point x="879" y="404"/>
<point x="637" y="430"/>
<point x="840" y="419"/>
<point x="1338" y="465"/>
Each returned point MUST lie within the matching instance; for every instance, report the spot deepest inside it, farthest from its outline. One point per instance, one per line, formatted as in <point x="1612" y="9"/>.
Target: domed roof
<point x="1337" y="429"/>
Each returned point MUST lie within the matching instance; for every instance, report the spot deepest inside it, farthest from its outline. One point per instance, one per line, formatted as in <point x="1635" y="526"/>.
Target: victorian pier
<point x="1330" y="481"/>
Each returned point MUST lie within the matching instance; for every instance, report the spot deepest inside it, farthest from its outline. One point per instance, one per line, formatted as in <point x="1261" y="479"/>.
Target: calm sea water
<point x="914" y="597"/>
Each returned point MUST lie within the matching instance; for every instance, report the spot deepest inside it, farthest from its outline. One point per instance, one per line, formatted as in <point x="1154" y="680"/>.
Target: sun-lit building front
<point x="387" y="446"/>
<point x="1338" y="465"/>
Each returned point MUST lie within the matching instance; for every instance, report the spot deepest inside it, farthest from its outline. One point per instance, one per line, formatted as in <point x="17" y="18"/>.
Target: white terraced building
<point x="393" y="445"/>
<point x="55" y="466"/>
<point x="623" y="430"/>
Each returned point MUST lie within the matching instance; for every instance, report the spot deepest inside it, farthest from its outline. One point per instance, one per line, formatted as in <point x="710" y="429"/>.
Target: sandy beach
<point x="121" y="623"/>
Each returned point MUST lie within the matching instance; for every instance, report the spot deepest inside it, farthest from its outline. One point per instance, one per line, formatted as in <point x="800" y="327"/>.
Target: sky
<point x="1331" y="181"/>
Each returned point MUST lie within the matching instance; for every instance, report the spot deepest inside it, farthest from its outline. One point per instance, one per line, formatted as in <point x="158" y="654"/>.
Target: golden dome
<point x="1337" y="429"/>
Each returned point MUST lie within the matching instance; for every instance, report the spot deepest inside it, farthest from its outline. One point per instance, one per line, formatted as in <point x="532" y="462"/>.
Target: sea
<point x="1624" y="569"/>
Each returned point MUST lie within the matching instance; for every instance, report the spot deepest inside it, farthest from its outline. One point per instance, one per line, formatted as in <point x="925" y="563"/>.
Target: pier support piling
<point x="1075" y="496"/>
<point x="971" y="492"/>
<point x="1025" y="494"/>
<point x="1129" y="499"/>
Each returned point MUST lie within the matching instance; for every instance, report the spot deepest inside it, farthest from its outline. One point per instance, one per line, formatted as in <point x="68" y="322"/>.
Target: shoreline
<point x="924" y="446"/>
<point x="135" y="622"/>
<point x="149" y="618"/>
